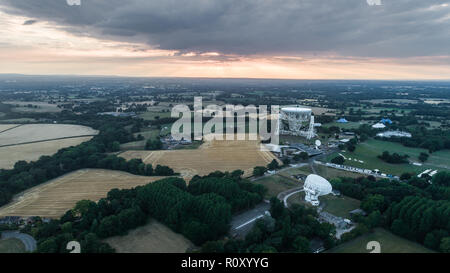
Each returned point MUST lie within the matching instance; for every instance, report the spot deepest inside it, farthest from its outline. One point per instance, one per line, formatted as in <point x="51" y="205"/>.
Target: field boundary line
<point x="11" y="128"/>
<point x="45" y="140"/>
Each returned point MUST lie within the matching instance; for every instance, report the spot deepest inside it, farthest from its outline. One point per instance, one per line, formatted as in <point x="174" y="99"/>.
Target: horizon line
<point x="219" y="78"/>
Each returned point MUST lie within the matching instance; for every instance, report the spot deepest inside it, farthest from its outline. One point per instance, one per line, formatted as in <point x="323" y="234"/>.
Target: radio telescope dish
<point x="318" y="143"/>
<point x="314" y="187"/>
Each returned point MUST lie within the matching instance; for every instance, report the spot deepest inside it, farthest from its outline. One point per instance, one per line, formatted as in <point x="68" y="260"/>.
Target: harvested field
<point x="31" y="152"/>
<point x="42" y="132"/>
<point x="55" y="197"/>
<point x="4" y="127"/>
<point x="151" y="238"/>
<point x="211" y="156"/>
<point x="37" y="107"/>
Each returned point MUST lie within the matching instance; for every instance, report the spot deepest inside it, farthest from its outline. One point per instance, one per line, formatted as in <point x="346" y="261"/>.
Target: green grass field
<point x="339" y="205"/>
<point x="330" y="173"/>
<point x="369" y="150"/>
<point x="140" y="145"/>
<point x="276" y="184"/>
<point x="12" y="245"/>
<point x="390" y="243"/>
<point x="153" y="115"/>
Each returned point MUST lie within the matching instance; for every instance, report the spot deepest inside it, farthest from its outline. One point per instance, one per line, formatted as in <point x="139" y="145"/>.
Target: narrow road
<point x="242" y="223"/>
<point x="286" y="197"/>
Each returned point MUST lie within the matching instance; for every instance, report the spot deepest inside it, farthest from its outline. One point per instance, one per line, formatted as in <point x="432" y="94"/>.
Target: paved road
<point x="242" y="223"/>
<point x="284" y="196"/>
<point x="27" y="240"/>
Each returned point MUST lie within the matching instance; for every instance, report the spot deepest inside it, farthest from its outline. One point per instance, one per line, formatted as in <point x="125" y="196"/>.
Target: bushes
<point x="338" y="160"/>
<point x="273" y="165"/>
<point x="394" y="158"/>
<point x="239" y="198"/>
<point x="259" y="171"/>
<point x="153" y="144"/>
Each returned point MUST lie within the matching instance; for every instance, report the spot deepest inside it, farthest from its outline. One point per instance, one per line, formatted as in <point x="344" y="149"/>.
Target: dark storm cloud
<point x="29" y="22"/>
<point x="398" y="28"/>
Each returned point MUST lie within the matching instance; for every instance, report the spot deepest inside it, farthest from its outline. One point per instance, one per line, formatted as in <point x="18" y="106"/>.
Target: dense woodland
<point x="201" y="211"/>
<point x="414" y="209"/>
<point x="285" y="230"/>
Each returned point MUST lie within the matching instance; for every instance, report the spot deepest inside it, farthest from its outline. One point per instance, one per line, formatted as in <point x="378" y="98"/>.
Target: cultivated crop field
<point x="31" y="152"/>
<point x="55" y="197"/>
<point x="4" y="127"/>
<point x="151" y="238"/>
<point x="42" y="132"/>
<point x="30" y="142"/>
<point x="211" y="156"/>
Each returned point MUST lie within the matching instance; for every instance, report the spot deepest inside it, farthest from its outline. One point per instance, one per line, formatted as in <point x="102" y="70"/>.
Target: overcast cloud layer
<point x="398" y="28"/>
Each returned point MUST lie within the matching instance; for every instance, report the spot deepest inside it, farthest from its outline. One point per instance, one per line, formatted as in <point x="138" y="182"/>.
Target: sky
<point x="285" y="39"/>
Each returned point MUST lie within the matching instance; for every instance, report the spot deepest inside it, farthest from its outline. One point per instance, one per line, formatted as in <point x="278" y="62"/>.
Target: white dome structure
<point x="379" y="126"/>
<point x="314" y="187"/>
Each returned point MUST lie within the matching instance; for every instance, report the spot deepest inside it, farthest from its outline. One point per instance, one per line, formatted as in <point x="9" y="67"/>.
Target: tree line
<point x="91" y="154"/>
<point x="201" y="212"/>
<point x="415" y="208"/>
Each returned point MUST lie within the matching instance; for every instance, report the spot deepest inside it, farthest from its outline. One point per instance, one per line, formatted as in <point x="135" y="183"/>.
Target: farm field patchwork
<point x="36" y="107"/>
<point x="209" y="157"/>
<point x="151" y="238"/>
<point x="54" y="198"/>
<point x="31" y="152"/>
<point x="29" y="142"/>
<point x="41" y="132"/>
<point x="4" y="127"/>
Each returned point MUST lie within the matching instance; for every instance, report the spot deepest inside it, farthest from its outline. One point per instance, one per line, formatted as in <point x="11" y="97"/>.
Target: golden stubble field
<point x="31" y="152"/>
<point x="216" y="155"/>
<point x="42" y="132"/>
<point x="54" y="198"/>
<point x="151" y="238"/>
<point x="4" y="127"/>
<point x="30" y="142"/>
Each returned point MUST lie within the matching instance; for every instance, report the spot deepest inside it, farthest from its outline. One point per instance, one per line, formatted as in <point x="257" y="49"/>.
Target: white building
<point x="389" y="134"/>
<point x="379" y="126"/>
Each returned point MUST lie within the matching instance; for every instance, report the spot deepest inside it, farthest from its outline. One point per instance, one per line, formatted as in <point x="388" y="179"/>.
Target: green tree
<point x="423" y="157"/>
<point x="301" y="245"/>
<point x="373" y="202"/>
<point x="115" y="147"/>
<point x="273" y="165"/>
<point x="259" y="171"/>
<point x="338" y="160"/>
<point x="445" y="245"/>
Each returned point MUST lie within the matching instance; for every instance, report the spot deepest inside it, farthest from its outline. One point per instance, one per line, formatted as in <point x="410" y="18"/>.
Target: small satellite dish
<point x="318" y="143"/>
